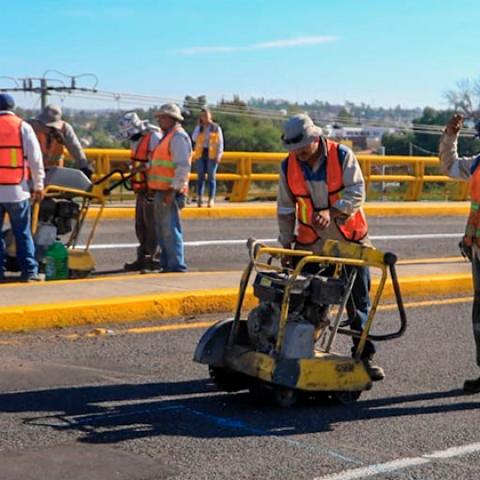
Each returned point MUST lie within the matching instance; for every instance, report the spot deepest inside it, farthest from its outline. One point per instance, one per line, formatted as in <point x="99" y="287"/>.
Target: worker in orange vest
<point x="321" y="191"/>
<point x="466" y="168"/>
<point x="143" y="137"/>
<point x="21" y="170"/>
<point x="54" y="134"/>
<point x="168" y="181"/>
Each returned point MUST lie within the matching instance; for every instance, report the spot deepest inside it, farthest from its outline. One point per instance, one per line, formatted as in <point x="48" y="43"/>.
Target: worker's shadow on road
<point x="116" y="413"/>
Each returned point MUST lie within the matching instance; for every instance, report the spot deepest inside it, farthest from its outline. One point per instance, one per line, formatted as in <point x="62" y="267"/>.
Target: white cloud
<point x="292" y="42"/>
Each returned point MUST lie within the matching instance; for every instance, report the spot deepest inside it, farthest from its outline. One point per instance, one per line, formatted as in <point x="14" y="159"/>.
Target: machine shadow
<point x="115" y="413"/>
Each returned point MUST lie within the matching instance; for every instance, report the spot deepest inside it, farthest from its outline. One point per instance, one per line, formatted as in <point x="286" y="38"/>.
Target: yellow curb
<point x="430" y="285"/>
<point x="118" y="309"/>
<point x="168" y="305"/>
<point x="267" y="211"/>
<point x="420" y="210"/>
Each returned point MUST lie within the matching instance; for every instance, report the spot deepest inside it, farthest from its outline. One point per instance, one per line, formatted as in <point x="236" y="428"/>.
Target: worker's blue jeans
<point x="19" y="214"/>
<point x="208" y="167"/>
<point x="169" y="232"/>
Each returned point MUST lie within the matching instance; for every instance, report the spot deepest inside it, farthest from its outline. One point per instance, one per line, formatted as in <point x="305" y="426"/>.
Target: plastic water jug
<point x="56" y="261"/>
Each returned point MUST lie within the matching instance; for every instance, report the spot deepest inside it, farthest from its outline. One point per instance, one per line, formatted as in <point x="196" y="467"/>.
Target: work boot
<point x="211" y="202"/>
<point x="199" y="202"/>
<point x="31" y="277"/>
<point x="472" y="386"/>
<point x="151" y="266"/>
<point x="135" y="266"/>
<point x="376" y="373"/>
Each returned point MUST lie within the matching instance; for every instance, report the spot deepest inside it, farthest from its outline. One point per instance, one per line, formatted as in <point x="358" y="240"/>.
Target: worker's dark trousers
<point x="358" y="306"/>
<point x="476" y="299"/>
<point x="145" y="226"/>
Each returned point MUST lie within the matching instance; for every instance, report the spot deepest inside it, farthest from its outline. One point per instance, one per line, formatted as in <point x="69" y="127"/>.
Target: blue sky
<point x="380" y="52"/>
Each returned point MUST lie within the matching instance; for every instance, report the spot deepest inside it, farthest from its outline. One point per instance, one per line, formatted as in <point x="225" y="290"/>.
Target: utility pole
<point x="43" y="86"/>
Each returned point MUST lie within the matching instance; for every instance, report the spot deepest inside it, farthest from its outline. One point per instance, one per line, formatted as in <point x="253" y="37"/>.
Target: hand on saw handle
<point x="37" y="196"/>
<point x="322" y="218"/>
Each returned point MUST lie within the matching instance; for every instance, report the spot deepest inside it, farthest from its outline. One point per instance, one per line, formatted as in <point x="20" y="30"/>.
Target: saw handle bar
<point x="390" y="262"/>
<point x="124" y="178"/>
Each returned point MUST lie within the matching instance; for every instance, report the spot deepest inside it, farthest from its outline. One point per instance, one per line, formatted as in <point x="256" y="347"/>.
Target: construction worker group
<point x="320" y="196"/>
<point x="161" y="160"/>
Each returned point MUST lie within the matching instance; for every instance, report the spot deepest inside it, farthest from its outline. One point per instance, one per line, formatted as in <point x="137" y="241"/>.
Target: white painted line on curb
<point x="401" y="463"/>
<point x="415" y="236"/>
<point x="207" y="243"/>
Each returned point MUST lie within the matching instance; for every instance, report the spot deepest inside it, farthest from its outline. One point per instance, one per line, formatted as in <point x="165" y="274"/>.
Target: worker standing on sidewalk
<point x="208" y="139"/>
<point x="20" y="158"/>
<point x="322" y="190"/>
<point x="143" y="137"/>
<point x="466" y="168"/>
<point x="54" y="134"/>
<point x="168" y="181"/>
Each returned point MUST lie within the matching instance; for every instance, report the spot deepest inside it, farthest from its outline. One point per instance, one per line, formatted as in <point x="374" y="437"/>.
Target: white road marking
<point x="402" y="463"/>
<point x="207" y="243"/>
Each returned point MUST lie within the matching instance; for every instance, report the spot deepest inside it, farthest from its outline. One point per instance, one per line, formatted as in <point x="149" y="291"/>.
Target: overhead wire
<point x="251" y="112"/>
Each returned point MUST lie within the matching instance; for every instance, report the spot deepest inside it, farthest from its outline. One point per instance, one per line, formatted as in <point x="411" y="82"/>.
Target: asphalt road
<point x="232" y="256"/>
<point x="133" y="406"/>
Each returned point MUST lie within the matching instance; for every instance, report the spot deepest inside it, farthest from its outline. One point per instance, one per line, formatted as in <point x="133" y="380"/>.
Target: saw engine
<point x="309" y="313"/>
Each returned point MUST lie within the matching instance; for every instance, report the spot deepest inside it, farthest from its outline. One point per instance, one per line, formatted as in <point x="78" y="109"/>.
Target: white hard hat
<point x="130" y="125"/>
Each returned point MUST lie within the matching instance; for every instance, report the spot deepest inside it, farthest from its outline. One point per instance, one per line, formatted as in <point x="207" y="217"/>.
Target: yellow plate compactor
<point x="285" y="345"/>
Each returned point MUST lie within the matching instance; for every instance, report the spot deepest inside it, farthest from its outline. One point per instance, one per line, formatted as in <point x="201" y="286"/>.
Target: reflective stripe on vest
<point x="139" y="158"/>
<point x="213" y="141"/>
<point x="162" y="171"/>
<point x="355" y="228"/>
<point x="13" y="167"/>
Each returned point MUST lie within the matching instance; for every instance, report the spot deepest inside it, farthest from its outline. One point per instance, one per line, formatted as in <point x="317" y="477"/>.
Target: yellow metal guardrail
<point x="411" y="171"/>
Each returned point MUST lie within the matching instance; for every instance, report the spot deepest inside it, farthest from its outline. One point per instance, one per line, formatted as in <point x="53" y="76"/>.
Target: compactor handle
<point x="390" y="260"/>
<point x="123" y="180"/>
<point x="253" y="245"/>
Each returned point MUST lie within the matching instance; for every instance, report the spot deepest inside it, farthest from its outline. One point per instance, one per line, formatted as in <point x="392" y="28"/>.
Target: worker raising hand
<point x="455" y="124"/>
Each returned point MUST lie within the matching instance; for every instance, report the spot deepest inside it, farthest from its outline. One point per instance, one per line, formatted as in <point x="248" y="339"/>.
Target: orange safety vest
<point x="139" y="158"/>
<point x="51" y="143"/>
<point x="213" y="143"/>
<point x="354" y="229"/>
<point x="472" y="229"/>
<point x="162" y="171"/>
<point x="13" y="166"/>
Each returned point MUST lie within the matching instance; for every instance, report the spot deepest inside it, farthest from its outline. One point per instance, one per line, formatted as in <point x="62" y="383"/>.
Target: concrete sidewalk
<point x="136" y="297"/>
<point x="268" y="209"/>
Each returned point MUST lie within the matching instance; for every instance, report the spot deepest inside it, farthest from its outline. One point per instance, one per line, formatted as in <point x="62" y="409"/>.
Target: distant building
<point x="360" y="137"/>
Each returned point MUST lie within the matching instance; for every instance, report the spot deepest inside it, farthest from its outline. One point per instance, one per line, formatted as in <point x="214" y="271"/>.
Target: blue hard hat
<point x="6" y="102"/>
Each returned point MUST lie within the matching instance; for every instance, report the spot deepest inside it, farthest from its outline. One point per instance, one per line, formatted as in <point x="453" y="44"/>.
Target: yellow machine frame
<point x="327" y="371"/>
<point x="80" y="261"/>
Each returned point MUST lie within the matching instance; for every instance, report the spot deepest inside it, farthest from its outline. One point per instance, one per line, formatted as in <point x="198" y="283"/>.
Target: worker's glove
<point x="87" y="172"/>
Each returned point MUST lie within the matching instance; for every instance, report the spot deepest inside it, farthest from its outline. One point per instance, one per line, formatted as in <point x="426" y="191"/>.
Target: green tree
<point x="397" y="143"/>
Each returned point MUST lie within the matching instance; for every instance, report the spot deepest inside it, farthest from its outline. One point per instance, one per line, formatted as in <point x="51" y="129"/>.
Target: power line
<point x="43" y="85"/>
